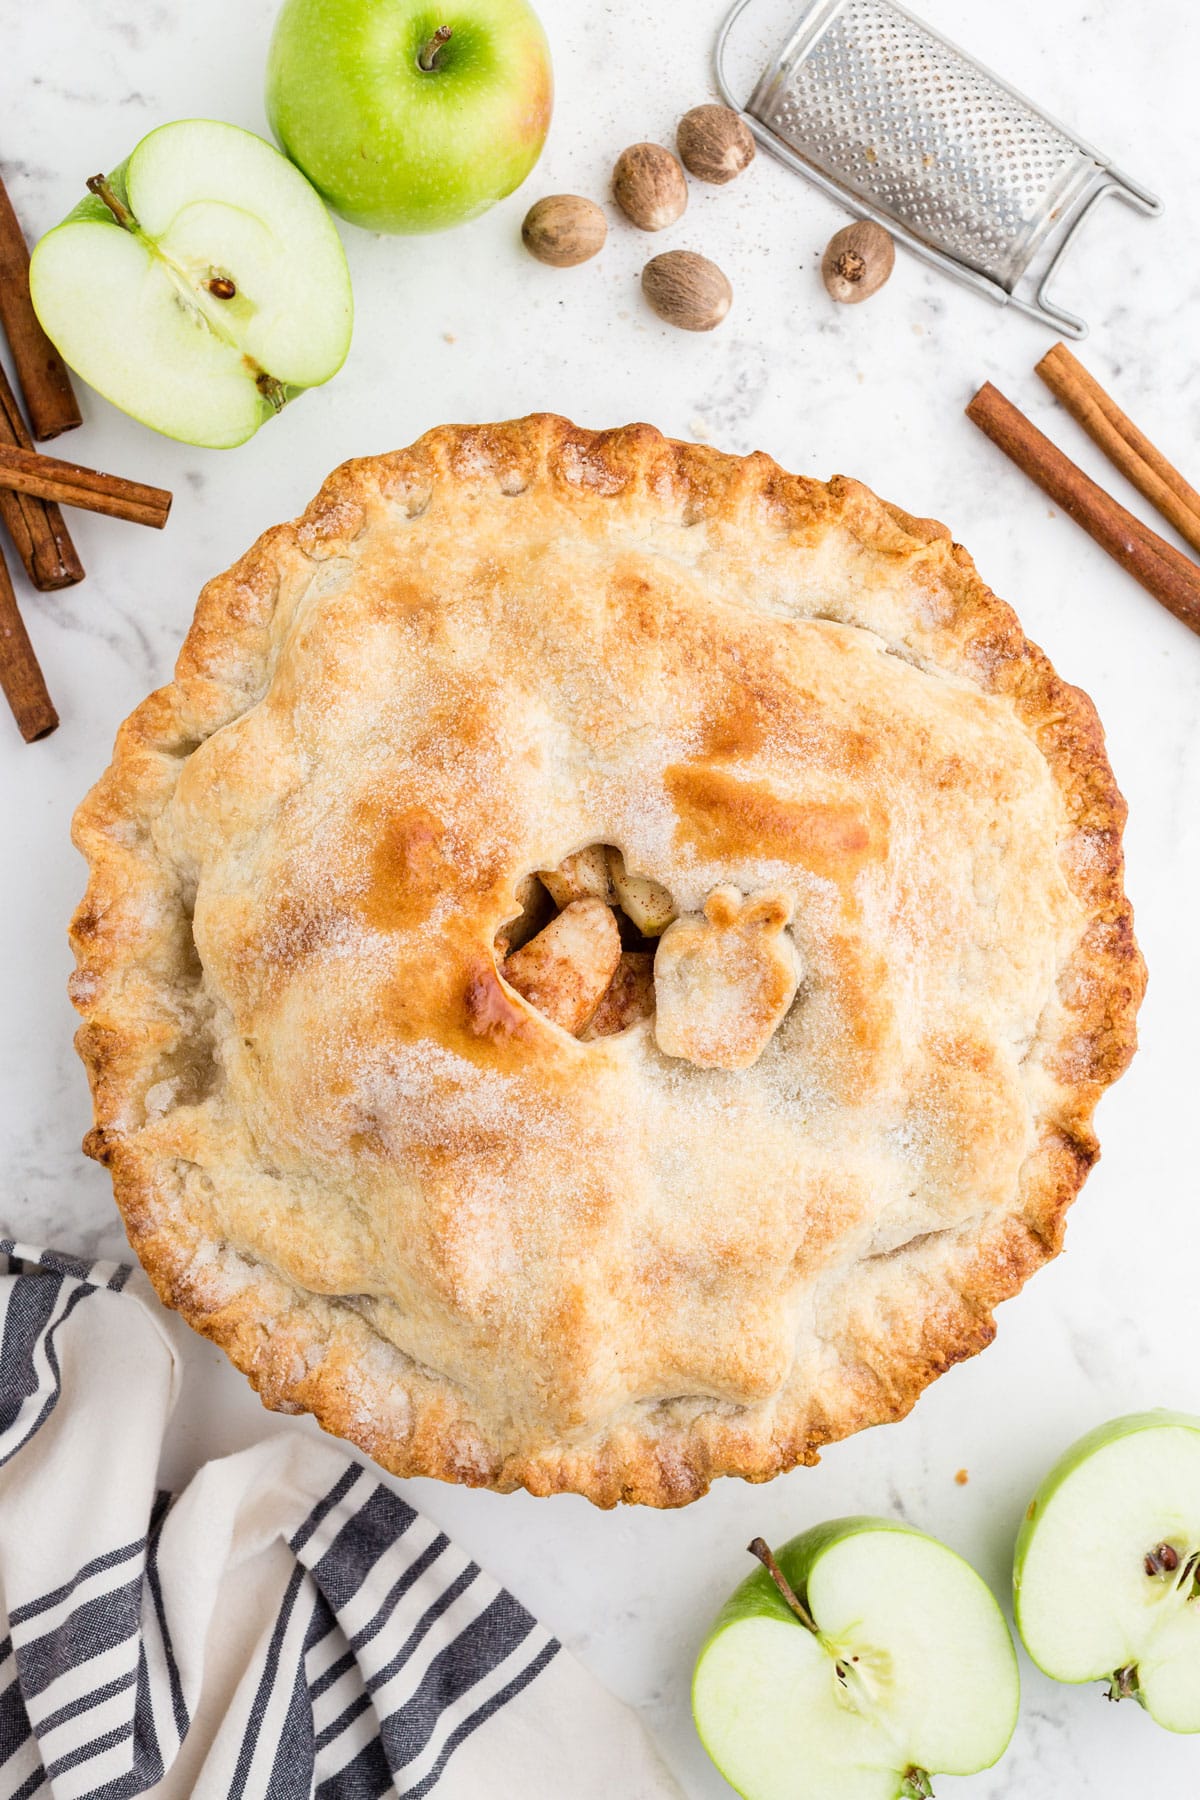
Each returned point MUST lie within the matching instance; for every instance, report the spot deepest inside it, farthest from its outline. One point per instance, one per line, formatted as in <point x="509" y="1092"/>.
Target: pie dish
<point x="379" y="1122"/>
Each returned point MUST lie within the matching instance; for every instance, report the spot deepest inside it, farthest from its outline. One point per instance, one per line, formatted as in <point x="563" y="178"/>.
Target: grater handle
<point x="1122" y="187"/>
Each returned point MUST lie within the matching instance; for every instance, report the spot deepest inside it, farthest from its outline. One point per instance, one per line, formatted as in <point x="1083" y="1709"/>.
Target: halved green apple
<point x="200" y="286"/>
<point x="862" y="1660"/>
<point x="1106" y="1576"/>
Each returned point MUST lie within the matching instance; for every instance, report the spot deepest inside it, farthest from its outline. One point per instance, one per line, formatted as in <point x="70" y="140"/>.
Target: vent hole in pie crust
<point x="187" y="1073"/>
<point x="416" y="501"/>
<point x="581" y="950"/>
<point x="182" y="747"/>
<point x="185" y="1076"/>
<point x="613" y="950"/>
<point x="907" y="1246"/>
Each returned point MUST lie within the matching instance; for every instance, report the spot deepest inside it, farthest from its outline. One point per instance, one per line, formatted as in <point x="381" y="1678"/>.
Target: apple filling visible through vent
<point x="719" y="981"/>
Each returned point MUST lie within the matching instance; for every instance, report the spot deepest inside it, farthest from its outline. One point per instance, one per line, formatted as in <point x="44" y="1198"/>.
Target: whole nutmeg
<point x="563" y="230"/>
<point x="686" y="290"/>
<point x="858" y="260"/>
<point x="649" y="186"/>
<point x="714" y="143"/>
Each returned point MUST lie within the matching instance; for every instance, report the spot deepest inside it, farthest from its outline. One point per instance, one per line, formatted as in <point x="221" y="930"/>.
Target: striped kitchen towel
<point x="285" y="1627"/>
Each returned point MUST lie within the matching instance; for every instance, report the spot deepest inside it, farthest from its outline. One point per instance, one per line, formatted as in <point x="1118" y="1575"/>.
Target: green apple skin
<point x="757" y="1598"/>
<point x="1142" y="1476"/>
<point x="392" y="146"/>
<point x="129" y="309"/>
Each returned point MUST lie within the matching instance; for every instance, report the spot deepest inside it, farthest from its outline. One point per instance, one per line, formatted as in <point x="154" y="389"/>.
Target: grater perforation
<point x="903" y="127"/>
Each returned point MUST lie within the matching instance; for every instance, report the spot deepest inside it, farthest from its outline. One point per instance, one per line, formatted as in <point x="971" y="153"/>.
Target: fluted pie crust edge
<point x="307" y="1352"/>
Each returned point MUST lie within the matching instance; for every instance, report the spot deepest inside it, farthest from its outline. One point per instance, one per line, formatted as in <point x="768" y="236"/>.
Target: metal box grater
<point x="902" y="127"/>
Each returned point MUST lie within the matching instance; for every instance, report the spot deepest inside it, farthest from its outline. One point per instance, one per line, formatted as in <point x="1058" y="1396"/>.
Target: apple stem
<point x="917" y="1785"/>
<point x="759" y="1547"/>
<point x="427" y="60"/>
<point x="103" y="190"/>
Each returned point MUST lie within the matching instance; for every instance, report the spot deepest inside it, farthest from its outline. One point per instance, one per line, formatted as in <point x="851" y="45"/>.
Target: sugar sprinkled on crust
<point x="353" y="1156"/>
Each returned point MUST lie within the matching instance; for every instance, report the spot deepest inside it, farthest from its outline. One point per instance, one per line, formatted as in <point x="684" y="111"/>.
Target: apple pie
<point x="598" y="970"/>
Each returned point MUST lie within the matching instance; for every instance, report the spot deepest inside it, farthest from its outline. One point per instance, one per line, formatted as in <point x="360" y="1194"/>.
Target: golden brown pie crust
<point x="401" y="1198"/>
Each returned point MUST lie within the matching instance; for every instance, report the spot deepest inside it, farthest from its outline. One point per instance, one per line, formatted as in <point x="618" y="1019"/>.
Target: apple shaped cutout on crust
<point x="724" y="978"/>
<point x="406" y="115"/>
<point x="1106" y="1576"/>
<point x="200" y="286"/>
<point x="862" y="1661"/>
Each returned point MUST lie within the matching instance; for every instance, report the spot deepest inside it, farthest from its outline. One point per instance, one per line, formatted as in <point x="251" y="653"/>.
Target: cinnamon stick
<point x="1121" y="441"/>
<point x="45" y="384"/>
<point x="1161" y="569"/>
<point x="35" y="526"/>
<point x="28" y="472"/>
<point x="20" y="676"/>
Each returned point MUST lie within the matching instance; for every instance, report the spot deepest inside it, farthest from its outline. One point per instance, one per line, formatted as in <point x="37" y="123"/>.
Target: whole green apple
<point x="410" y="115"/>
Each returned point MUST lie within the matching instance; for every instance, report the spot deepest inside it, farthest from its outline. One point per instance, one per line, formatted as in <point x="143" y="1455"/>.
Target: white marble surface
<point x="465" y="326"/>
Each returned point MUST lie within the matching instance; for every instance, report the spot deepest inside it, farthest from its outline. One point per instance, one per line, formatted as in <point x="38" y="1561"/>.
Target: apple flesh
<point x="647" y="902"/>
<point x="410" y="115"/>
<point x="1106" y="1575"/>
<point x="901" y="1667"/>
<point x="200" y="286"/>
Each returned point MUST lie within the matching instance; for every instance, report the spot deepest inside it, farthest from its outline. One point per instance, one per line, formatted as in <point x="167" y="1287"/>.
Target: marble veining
<point x="466" y="326"/>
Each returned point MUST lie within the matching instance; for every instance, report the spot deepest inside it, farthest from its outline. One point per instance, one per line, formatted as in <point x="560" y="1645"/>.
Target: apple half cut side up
<point x="200" y="286"/>
<point x="863" y="1661"/>
<point x="1106" y="1576"/>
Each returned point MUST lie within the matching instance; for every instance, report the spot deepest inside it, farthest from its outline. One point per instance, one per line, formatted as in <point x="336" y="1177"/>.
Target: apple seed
<point x="1162" y="1561"/>
<point x="221" y="287"/>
